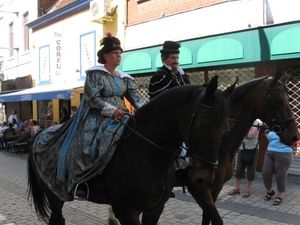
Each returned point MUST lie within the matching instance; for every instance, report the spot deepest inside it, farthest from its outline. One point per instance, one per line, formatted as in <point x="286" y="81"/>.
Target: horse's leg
<point x="125" y="215"/>
<point x="206" y="201"/>
<point x="55" y="205"/>
<point x="152" y="217"/>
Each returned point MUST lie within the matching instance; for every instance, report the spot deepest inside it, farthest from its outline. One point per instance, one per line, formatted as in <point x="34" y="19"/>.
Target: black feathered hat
<point x="109" y="44"/>
<point x="170" y="47"/>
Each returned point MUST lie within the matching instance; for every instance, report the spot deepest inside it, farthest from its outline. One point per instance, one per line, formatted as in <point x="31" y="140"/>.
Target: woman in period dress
<point x="83" y="144"/>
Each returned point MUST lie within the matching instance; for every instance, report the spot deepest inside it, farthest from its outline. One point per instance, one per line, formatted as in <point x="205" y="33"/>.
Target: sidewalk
<point x="182" y="210"/>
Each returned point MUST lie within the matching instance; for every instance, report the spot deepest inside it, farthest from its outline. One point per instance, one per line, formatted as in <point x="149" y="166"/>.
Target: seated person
<point x="27" y="133"/>
<point x="8" y="134"/>
<point x="21" y="125"/>
<point x="3" y="127"/>
<point x="34" y="128"/>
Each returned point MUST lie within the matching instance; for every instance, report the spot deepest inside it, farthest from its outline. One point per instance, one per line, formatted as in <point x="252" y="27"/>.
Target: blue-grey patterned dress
<point x="80" y="149"/>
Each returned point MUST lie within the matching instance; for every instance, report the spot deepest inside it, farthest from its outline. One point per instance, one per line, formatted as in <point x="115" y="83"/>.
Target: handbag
<point x="248" y="155"/>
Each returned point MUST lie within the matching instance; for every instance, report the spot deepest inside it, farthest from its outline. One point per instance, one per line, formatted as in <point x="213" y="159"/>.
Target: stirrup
<point x="86" y="192"/>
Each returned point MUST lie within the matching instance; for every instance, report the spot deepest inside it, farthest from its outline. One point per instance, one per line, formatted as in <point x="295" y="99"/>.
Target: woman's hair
<point x="109" y="44"/>
<point x="34" y="122"/>
<point x="65" y="111"/>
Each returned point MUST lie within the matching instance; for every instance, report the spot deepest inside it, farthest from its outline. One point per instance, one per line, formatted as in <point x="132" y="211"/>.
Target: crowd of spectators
<point x="25" y="131"/>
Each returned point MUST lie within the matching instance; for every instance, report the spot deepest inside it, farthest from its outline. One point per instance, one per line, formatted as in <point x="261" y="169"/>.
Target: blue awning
<point x="38" y="93"/>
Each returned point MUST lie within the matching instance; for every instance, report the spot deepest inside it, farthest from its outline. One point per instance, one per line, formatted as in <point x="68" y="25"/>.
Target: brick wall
<point x="147" y="10"/>
<point x="44" y="6"/>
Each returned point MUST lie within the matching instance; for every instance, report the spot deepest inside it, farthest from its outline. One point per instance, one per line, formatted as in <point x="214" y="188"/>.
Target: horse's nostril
<point x="201" y="183"/>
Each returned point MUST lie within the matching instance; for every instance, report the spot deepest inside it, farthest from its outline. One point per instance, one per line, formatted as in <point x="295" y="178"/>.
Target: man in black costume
<point x="170" y="74"/>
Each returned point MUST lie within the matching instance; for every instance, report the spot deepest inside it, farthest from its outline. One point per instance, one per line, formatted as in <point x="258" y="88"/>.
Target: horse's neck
<point x="239" y="126"/>
<point x="161" y="135"/>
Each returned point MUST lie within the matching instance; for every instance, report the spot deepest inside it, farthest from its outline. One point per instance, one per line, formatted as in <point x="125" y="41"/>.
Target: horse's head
<point x="207" y="124"/>
<point x="279" y="115"/>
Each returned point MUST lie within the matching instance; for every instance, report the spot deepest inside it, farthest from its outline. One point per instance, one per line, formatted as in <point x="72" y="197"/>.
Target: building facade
<point x="63" y="40"/>
<point x="240" y="38"/>
<point x="245" y="39"/>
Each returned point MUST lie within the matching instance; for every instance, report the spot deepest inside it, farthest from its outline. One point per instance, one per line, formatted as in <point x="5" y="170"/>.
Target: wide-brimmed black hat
<point x="109" y="44"/>
<point x="170" y="47"/>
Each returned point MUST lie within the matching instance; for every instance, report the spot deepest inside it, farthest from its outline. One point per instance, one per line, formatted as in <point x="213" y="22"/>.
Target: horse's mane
<point x="176" y="96"/>
<point x="240" y="90"/>
<point x="180" y="96"/>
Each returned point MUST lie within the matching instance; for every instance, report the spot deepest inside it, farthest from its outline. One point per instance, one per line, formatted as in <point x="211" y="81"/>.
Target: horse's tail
<point x="36" y="193"/>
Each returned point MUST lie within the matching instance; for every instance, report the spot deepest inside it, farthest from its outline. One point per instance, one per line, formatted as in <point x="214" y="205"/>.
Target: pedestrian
<point x="170" y="74"/>
<point x="250" y="144"/>
<point x="277" y="161"/>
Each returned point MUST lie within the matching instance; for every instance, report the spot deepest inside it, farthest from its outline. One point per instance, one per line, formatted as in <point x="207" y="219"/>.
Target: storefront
<point x="259" y="44"/>
<point x="42" y="103"/>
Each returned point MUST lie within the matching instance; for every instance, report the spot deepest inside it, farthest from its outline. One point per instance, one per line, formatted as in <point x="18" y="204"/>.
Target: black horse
<point x="140" y="176"/>
<point x="264" y="98"/>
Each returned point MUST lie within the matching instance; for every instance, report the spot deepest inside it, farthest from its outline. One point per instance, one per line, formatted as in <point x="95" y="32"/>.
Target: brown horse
<point x="140" y="176"/>
<point x="264" y="98"/>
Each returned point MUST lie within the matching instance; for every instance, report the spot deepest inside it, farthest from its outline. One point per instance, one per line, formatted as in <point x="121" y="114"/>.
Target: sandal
<point x="246" y="194"/>
<point x="234" y="192"/>
<point x="269" y="195"/>
<point x="277" y="201"/>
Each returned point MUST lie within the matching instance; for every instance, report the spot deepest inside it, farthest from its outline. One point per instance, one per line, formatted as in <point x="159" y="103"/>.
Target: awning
<point x="39" y="93"/>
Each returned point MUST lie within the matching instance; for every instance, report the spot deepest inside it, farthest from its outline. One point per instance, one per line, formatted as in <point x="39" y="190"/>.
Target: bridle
<point x="191" y="119"/>
<point x="276" y="126"/>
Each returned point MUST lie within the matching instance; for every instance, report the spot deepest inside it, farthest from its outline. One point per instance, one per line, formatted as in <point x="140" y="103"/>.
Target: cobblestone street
<point x="182" y="210"/>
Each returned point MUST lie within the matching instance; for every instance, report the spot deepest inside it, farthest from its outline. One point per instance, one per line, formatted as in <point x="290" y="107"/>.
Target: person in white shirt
<point x="13" y="117"/>
<point x="250" y="143"/>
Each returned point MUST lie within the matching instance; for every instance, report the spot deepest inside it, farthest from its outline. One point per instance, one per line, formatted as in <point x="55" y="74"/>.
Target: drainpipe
<point x="264" y="12"/>
<point x="125" y="21"/>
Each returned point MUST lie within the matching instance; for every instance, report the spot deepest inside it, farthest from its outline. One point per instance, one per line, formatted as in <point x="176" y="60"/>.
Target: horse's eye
<point x="279" y="101"/>
<point x="203" y="126"/>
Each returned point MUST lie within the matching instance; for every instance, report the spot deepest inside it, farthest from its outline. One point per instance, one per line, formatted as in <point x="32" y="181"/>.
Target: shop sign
<point x="26" y="97"/>
<point x="60" y="96"/>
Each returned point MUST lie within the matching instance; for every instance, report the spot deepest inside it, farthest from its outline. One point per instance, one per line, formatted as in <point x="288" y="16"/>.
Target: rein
<point x="276" y="127"/>
<point x="146" y="139"/>
<point x="191" y="118"/>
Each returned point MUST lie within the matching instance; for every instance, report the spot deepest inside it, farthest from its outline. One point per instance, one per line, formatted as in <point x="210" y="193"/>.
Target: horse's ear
<point x="285" y="78"/>
<point x="229" y="90"/>
<point x="211" y="87"/>
<point x="277" y="76"/>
